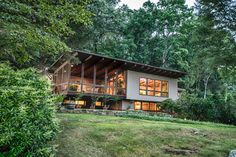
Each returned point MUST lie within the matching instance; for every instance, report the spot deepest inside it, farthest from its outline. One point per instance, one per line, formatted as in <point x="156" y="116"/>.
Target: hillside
<point x="105" y="136"/>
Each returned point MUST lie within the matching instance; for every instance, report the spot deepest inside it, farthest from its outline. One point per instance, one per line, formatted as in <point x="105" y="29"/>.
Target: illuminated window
<point x="164" y="87"/>
<point x="153" y="107"/>
<point x="150" y="93"/>
<point x="150" y="84"/>
<point x="80" y="102"/>
<point x="157" y="93"/>
<point x="145" y="106"/>
<point x="137" y="105"/>
<point x="157" y="85"/>
<point x="143" y="92"/>
<point x="152" y="87"/>
<point x="98" y="103"/>
<point x="143" y="83"/>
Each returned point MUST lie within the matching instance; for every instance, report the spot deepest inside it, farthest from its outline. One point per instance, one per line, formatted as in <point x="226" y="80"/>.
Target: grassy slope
<point x="90" y="135"/>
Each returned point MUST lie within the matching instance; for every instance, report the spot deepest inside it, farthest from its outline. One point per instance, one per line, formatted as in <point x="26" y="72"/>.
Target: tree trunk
<point x="206" y="79"/>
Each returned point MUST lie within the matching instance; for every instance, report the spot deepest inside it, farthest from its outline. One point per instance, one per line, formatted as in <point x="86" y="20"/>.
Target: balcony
<point x="76" y="88"/>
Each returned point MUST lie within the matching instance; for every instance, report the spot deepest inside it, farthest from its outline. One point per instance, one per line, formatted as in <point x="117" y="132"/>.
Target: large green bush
<point x="27" y="117"/>
<point x="210" y="109"/>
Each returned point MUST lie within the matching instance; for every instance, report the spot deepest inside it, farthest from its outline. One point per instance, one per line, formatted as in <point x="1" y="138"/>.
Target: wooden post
<point x="116" y="82"/>
<point x="105" y="80"/>
<point x="94" y="77"/>
<point x="82" y="77"/>
<point x="68" y="76"/>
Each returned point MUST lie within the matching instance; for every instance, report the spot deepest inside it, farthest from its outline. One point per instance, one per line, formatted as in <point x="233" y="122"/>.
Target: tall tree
<point x="33" y="32"/>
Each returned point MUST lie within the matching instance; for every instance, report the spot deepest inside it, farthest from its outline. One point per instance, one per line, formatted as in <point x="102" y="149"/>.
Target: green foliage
<point x="168" y="106"/>
<point x="33" y="32"/>
<point x="212" y="109"/>
<point x="197" y="108"/>
<point x="27" y="119"/>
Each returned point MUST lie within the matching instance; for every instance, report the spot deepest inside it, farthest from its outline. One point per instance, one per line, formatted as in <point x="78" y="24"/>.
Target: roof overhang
<point x="93" y="58"/>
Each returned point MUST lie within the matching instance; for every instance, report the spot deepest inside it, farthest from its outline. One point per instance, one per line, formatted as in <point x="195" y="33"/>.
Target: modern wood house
<point x="104" y="82"/>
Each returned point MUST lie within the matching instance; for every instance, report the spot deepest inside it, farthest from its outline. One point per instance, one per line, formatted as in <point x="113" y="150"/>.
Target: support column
<point x="68" y="75"/>
<point x="105" y="80"/>
<point x="116" y="82"/>
<point x="94" y="77"/>
<point x="82" y="77"/>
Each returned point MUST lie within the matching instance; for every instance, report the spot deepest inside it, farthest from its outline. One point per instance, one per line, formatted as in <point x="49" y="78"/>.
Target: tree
<point x="222" y="12"/>
<point x="32" y="33"/>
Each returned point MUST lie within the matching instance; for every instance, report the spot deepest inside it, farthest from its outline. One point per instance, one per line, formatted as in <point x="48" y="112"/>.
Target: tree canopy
<point x="33" y="32"/>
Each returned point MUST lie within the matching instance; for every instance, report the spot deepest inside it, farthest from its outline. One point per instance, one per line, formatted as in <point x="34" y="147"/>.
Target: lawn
<point x="106" y="136"/>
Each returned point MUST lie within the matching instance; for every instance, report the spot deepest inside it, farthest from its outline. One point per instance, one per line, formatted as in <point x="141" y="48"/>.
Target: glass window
<point x="157" y="93"/>
<point x="153" y="106"/>
<point x="157" y="85"/>
<point x="164" y="86"/>
<point x="145" y="106"/>
<point x="164" y="94"/>
<point x="150" y="93"/>
<point x="137" y="105"/>
<point x="142" y="83"/>
<point x="150" y="84"/>
<point x="142" y="92"/>
<point x="80" y="102"/>
<point x="98" y="103"/>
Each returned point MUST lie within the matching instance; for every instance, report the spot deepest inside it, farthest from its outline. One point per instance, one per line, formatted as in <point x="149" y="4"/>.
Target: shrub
<point x="27" y="118"/>
<point x="197" y="108"/>
<point x="168" y="106"/>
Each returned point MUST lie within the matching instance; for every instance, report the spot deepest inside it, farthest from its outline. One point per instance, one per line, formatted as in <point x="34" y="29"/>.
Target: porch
<point x="92" y="76"/>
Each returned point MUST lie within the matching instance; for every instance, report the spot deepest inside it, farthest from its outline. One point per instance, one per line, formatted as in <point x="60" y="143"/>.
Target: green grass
<point x="105" y="136"/>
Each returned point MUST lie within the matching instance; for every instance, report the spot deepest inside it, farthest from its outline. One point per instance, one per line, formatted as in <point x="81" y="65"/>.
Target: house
<point x="104" y="82"/>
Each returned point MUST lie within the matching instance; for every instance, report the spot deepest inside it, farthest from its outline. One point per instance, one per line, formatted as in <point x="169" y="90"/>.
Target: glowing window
<point x="145" y="106"/>
<point x="98" y="103"/>
<point x="142" y="92"/>
<point x="137" y="105"/>
<point x="157" y="93"/>
<point x="150" y="84"/>
<point x="150" y="93"/>
<point x="157" y="85"/>
<point x="164" y="86"/>
<point x="153" y="107"/>
<point x="80" y="102"/>
<point x="143" y="83"/>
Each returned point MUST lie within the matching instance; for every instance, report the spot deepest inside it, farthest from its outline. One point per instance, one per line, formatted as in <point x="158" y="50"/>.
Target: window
<point x="143" y="86"/>
<point x="150" y="87"/>
<point x="80" y="102"/>
<point x="153" y="87"/>
<point x="137" y="105"/>
<point x="153" y="107"/>
<point x="98" y="103"/>
<point x="146" y="106"/>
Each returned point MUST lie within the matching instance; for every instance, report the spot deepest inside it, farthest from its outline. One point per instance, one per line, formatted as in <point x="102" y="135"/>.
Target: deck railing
<point x="69" y="87"/>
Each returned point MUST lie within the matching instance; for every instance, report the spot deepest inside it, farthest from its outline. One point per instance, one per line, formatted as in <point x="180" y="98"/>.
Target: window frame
<point x="157" y="106"/>
<point x="146" y="91"/>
